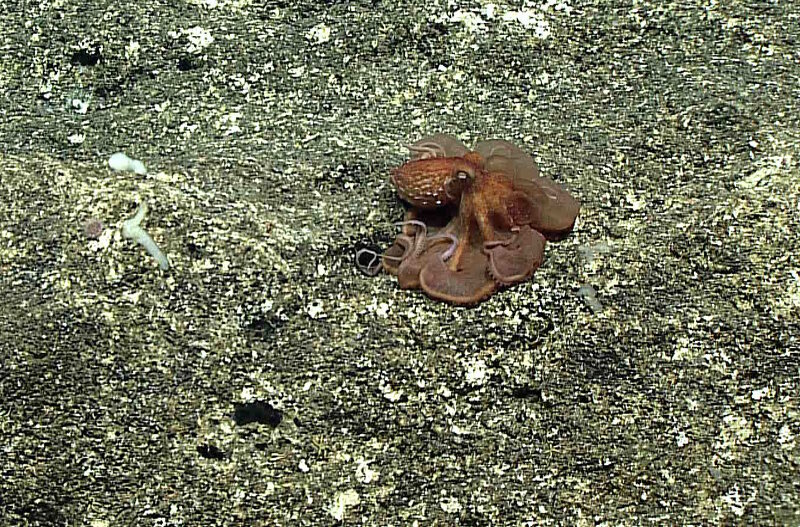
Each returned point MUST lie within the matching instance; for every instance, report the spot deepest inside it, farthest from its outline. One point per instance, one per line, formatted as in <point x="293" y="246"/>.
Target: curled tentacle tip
<point x="491" y="244"/>
<point x="495" y="243"/>
<point x="373" y="264"/>
<point x="426" y="150"/>
<point x="450" y="250"/>
<point x="416" y="223"/>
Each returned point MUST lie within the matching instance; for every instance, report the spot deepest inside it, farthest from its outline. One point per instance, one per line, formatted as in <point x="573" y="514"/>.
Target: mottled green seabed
<point x="268" y="130"/>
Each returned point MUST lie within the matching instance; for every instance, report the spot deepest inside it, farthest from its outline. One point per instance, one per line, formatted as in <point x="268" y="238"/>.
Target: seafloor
<point x="668" y="398"/>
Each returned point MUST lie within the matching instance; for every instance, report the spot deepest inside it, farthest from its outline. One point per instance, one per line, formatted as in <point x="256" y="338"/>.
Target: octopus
<point x="477" y="221"/>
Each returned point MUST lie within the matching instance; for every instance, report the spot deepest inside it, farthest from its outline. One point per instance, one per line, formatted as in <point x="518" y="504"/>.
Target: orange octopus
<point x="478" y="219"/>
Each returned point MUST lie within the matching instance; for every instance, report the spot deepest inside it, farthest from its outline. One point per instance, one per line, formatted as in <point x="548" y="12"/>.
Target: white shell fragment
<point x="120" y="162"/>
<point x="589" y="296"/>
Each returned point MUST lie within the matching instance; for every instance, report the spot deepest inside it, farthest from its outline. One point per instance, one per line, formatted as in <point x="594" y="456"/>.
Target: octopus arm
<point x="466" y="284"/>
<point x="516" y="260"/>
<point x="437" y="145"/>
<point x="546" y="206"/>
<point x="508" y="158"/>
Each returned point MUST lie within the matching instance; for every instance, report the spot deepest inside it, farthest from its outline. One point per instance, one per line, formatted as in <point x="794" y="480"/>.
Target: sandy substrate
<point x="646" y="375"/>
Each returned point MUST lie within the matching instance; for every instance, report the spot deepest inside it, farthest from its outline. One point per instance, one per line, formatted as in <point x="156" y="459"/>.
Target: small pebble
<point x="93" y="228"/>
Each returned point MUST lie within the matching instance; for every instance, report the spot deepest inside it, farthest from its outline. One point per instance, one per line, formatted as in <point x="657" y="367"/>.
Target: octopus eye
<point x="463" y="175"/>
<point x="453" y="186"/>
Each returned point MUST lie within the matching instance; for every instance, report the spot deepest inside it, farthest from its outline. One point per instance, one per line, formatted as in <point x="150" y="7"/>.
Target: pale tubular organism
<point x="132" y="230"/>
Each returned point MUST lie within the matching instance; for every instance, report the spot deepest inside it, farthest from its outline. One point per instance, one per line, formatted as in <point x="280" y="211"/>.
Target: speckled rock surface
<point x="646" y="375"/>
